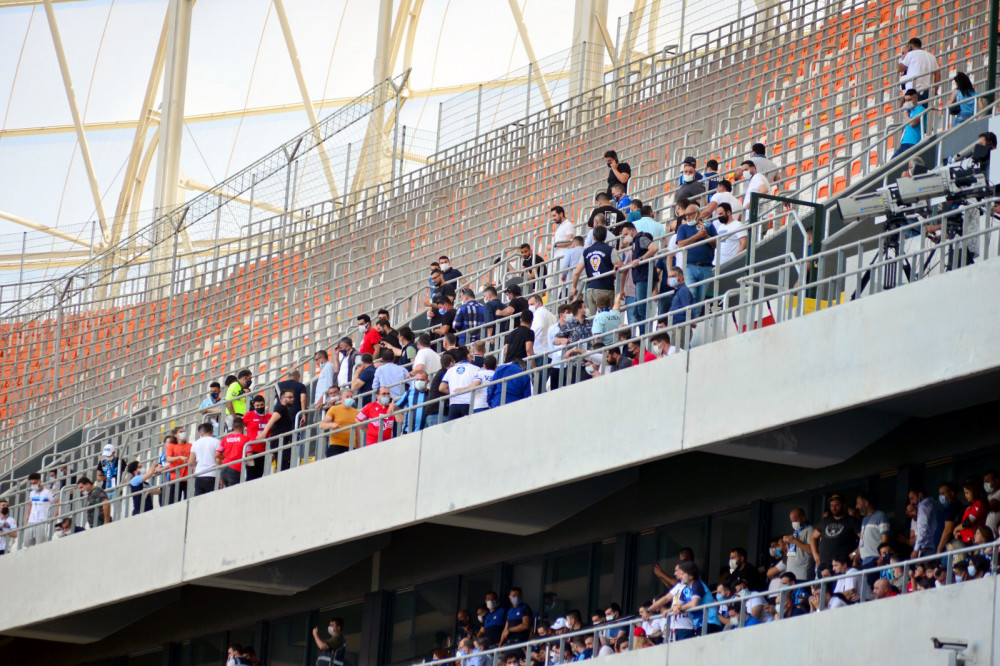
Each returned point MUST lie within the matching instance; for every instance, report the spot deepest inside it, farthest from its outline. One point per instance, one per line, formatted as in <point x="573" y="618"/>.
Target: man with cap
<point x="765" y="166"/>
<point x="835" y="535"/>
<point x="691" y="185"/>
<point x="109" y="465"/>
<point x="690" y="159"/>
<point x="516" y="304"/>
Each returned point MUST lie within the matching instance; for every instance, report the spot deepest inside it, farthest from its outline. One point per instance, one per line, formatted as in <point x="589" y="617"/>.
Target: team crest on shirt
<point x="595" y="262"/>
<point x="460" y="370"/>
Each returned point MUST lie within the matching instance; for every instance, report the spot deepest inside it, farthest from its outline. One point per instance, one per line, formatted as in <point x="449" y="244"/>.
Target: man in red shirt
<point x="230" y="450"/>
<point x="371" y="338"/>
<point x="633" y="350"/>
<point x="376" y="410"/>
<point x="254" y="421"/>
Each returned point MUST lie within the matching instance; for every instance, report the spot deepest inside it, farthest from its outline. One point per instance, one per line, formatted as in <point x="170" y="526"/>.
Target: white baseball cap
<point x="108" y="451"/>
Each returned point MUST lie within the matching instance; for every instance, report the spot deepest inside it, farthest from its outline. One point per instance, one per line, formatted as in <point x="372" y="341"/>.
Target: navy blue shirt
<point x="597" y="260"/>
<point x="682" y="299"/>
<point x="514" y="617"/>
<point x="368" y="377"/>
<point x="494" y="623"/>
<point x="665" y="288"/>
<point x="640" y="244"/>
<point x="701" y="254"/>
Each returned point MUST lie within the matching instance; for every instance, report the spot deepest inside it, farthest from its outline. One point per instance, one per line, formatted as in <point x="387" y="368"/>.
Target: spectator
<point x="210" y="406"/>
<point x="469" y="318"/>
<point x="492" y="305"/>
<point x="413" y="398"/>
<point x="458" y="378"/>
<point x="390" y="375"/>
<point x="253" y="422"/>
<point x="519" y="345"/>
<point x="331" y="398"/>
<point x="618" y="172"/>
<point x="580" y="649"/>
<point x="389" y="336"/>
<point x="380" y="422"/>
<point x="177" y="454"/>
<point x="698" y="259"/>
<point x="653" y="625"/>
<point x="634" y="347"/>
<point x="345" y="361"/>
<point x="518" y="627"/>
<point x="991" y="484"/>
<point x="732" y="237"/>
<point x="230" y="452"/>
<point x="541" y="321"/>
<point x="643" y="249"/>
<point x="495" y="620"/>
<point x="202" y="459"/>
<point x="300" y="403"/>
<point x="927" y="523"/>
<point x="138" y="485"/>
<point x="695" y="593"/>
<point x="484" y="375"/>
<point x="919" y="68"/>
<point x="874" y="531"/>
<point x="478" y="353"/>
<point x="41" y="502"/>
<point x="516" y="304"/>
<point x="619" y="199"/>
<point x="798" y="543"/>
<point x="608" y="319"/>
<point x="441" y="290"/>
<point x="97" y="502"/>
<point x="836" y="534"/>
<point x="742" y="570"/>
<point x="616" y="360"/>
<point x="647" y="224"/>
<point x="850" y="587"/>
<point x="8" y="526"/>
<point x="603" y="206"/>
<point x="974" y="515"/>
<point x="711" y="174"/>
<point x="109" y="463"/>
<point x="950" y="514"/>
<point x="723" y="195"/>
<point x="691" y="186"/>
<point x="64" y="528"/>
<point x="327" y="376"/>
<point x="768" y="169"/>
<point x="235" y="404"/>
<point x="364" y="379"/>
<point x="682" y="298"/>
<point x="660" y="343"/>
<point x="563" y="235"/>
<point x="439" y="410"/>
<point x="757" y="183"/>
<point x="340" y="418"/>
<point x="370" y="339"/>
<point x="511" y="390"/>
<point x="533" y="269"/>
<point x="407" y="351"/>
<point x="426" y="360"/>
<point x="964" y="100"/>
<point x="278" y="429"/>
<point x="450" y="273"/>
<point x="600" y="262"/>
<point x="572" y="257"/>
<point x="912" y="132"/>
<point x="333" y="647"/>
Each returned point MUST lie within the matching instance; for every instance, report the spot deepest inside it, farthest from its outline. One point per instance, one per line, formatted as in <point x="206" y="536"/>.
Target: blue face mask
<point x="441" y="311"/>
<point x="673" y="282"/>
<point x="384" y="400"/>
<point x="348" y="402"/>
<point x="942" y="499"/>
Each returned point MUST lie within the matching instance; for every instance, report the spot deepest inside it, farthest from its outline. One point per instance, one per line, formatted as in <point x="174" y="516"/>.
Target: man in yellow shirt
<point x="343" y="415"/>
<point x="234" y="406"/>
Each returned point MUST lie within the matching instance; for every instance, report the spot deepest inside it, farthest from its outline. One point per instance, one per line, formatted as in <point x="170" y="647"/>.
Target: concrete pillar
<point x="587" y="62"/>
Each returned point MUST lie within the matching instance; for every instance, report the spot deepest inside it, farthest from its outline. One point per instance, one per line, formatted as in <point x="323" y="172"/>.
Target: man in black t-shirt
<point x="612" y="216"/>
<point x="280" y="425"/>
<point x="533" y="269"/>
<point x="618" y="172"/>
<point x="443" y="320"/>
<point x="836" y="534"/>
<point x="520" y="341"/>
<point x="440" y="289"/>
<point x="389" y="336"/>
<point x="438" y="413"/>
<point x="299" y="404"/>
<point x="515" y="302"/>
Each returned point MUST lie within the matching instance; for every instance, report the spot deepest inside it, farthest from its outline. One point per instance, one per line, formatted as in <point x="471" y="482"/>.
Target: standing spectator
<point x="765" y="167"/>
<point x="991" y="484"/>
<point x="363" y="380"/>
<point x="757" y="183"/>
<point x="439" y="410"/>
<point x="692" y="188"/>
<point x="619" y="199"/>
<point x="407" y="351"/>
<point x="799" y="548"/>
<point x="109" y="463"/>
<point x="541" y="320"/>
<point x="563" y="235"/>
<point x="874" y="531"/>
<point x="608" y="319"/>
<point x="235" y="404"/>
<point x="340" y="418"/>
<point x="711" y="174"/>
<point x="836" y="534"/>
<point x="511" y="390"/>
<point x="919" y="68"/>
<point x="912" y="131"/>
<point x="603" y="206"/>
<point x="927" y="523"/>
<point x="484" y="375"/>
<point x="694" y="594"/>
<point x="202" y="459"/>
<point x="569" y="260"/>
<point x="698" y="259"/>
<point x="533" y="269"/>
<point x="41" y="502"/>
<point x="732" y="237"/>
<point x="390" y="375"/>
<point x="647" y="224"/>
<point x="389" y="336"/>
<point x="618" y="172"/>
<point x="459" y="377"/>
<point x="345" y="361"/>
<point x="450" y="273"/>
<point x="369" y="336"/>
<point x="300" y="402"/>
<point x="516" y="304"/>
<point x="97" y="502"/>
<point x="426" y="360"/>
<point x="442" y="320"/>
<point x="333" y="648"/>
<point x="600" y="262"/>
<point x="682" y="297"/>
<point x="440" y="289"/>
<point x="253" y="422"/>
<point x="643" y="249"/>
<point x="950" y="515"/>
<point x="279" y="427"/>
<point x="742" y="570"/>
<point x="519" y="344"/>
<point x="413" y="398"/>
<point x="138" y="485"/>
<point x="492" y="305"/>
<point x="723" y="195"/>
<point x="964" y="101"/>
<point x="975" y="513"/>
<point x="327" y="376"/>
<point x="176" y="457"/>
<point x="518" y="628"/>
<point x="469" y="318"/>
<point x="210" y="407"/>
<point x="8" y="526"/>
<point x="495" y="620"/>
<point x="380" y="423"/>
<point x="230" y="452"/>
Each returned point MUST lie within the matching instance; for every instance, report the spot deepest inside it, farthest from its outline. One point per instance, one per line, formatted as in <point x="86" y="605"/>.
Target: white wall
<point x="890" y="632"/>
<point x="828" y="361"/>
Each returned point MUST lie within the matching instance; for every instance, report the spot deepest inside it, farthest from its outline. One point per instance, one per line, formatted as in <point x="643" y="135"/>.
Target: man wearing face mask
<point x="741" y="570"/>
<point x="211" y="406"/>
<point x="912" y="131"/>
<point x="333" y="649"/>
<point x="495" y="619"/>
<point x="469" y="318"/>
<point x="800" y="561"/>
<point x="518" y="627"/>
<point x="377" y="414"/>
<point x="951" y="514"/>
<point x="42" y="500"/>
<point x="415" y="396"/>
<point x="732" y="237"/>
<point x="235" y="404"/>
<point x="281" y="423"/>
<point x="370" y="338"/>
<point x="991" y="484"/>
<point x="340" y="418"/>
<point x="692" y="186"/>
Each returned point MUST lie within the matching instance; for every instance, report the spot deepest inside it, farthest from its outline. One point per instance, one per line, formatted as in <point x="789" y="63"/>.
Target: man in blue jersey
<point x="600" y="261"/>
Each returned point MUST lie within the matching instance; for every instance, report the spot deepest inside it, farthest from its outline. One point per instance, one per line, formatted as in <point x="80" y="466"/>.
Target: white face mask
<point x="609" y="616"/>
<point x="908" y="106"/>
<point x="796" y="525"/>
<point x="988" y="487"/>
<point x="971" y="569"/>
<point x="491" y="605"/>
<point x="362" y="328"/>
<point x="384" y="400"/>
<point x="532" y="308"/>
<point x="445" y="267"/>
<point x="688" y="177"/>
<point x="420" y="384"/>
<point x="333" y="632"/>
<point x="515" y="601"/>
<point x="732" y="564"/>
<point x="673" y="282"/>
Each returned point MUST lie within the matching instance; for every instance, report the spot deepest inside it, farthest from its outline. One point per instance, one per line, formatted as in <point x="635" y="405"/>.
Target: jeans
<point x="681" y="634"/>
<point x="335" y="450"/>
<point x="457" y="411"/>
<point x="230" y="476"/>
<point x="434" y="419"/>
<point x="204" y="484"/>
<point x="959" y="119"/>
<point x="663" y="304"/>
<point x="639" y="311"/>
<point x="693" y="274"/>
<point x="903" y="147"/>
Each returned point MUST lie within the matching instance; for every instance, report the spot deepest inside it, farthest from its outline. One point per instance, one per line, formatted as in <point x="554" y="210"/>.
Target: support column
<point x="166" y="194"/>
<point x="375" y="628"/>
<point x="587" y="62"/>
<point x="373" y="158"/>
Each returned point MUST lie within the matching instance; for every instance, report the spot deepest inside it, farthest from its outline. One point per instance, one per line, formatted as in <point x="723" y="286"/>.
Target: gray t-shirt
<point x="800" y="560"/>
<point x="872" y="529"/>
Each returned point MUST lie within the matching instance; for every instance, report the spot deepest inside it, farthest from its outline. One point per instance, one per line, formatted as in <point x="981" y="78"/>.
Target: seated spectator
<point x="510" y="390"/>
<point x="742" y="570"/>
<point x="849" y="587"/>
<point x="634" y="347"/>
<point x="978" y="566"/>
<point x="660" y="344"/>
<point x="653" y="626"/>
<point x="469" y="318"/>
<point x="616" y="360"/>
<point x="64" y="527"/>
<point x="340" y="418"/>
<point x="380" y="422"/>
<point x="974" y="515"/>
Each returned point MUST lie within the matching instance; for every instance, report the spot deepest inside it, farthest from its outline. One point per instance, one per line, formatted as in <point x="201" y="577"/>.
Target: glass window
<point x="205" y="651"/>
<point x="351" y="615"/>
<point x="473" y="590"/>
<point x="423" y="619"/>
<point x="402" y="626"/>
<point x="150" y="658"/>
<point x="287" y="644"/>
<point x="663" y="546"/>
<point x="567" y="583"/>
<point x="728" y="531"/>
<point x="528" y="577"/>
<point x="244" y="637"/>
<point x="602" y="573"/>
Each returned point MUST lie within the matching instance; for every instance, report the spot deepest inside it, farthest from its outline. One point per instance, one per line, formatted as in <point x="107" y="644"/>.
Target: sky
<point x="238" y="60"/>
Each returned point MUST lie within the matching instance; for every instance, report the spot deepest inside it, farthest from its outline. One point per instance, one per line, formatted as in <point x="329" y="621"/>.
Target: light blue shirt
<point x="650" y="226"/>
<point x="573" y="256"/>
<point x="391" y="375"/>
<point x="606" y="321"/>
<point x="911" y="134"/>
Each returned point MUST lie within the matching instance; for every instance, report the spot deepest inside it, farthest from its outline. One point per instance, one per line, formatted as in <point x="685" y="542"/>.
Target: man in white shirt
<point x="458" y="377"/>
<point x="483" y="376"/>
<point x="572" y="257"/>
<point x="42" y="501"/>
<point x="426" y="360"/>
<point x="653" y="625"/>
<point x="850" y="587"/>
<point x="202" y="460"/>
<point x="757" y="183"/>
<point x="919" y="68"/>
<point x="345" y="361"/>
<point x="327" y="377"/>
<point x="563" y="237"/>
<point x="723" y="194"/>
<point x="732" y="237"/>
<point x="540" y="324"/>
<point x="7" y="525"/>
